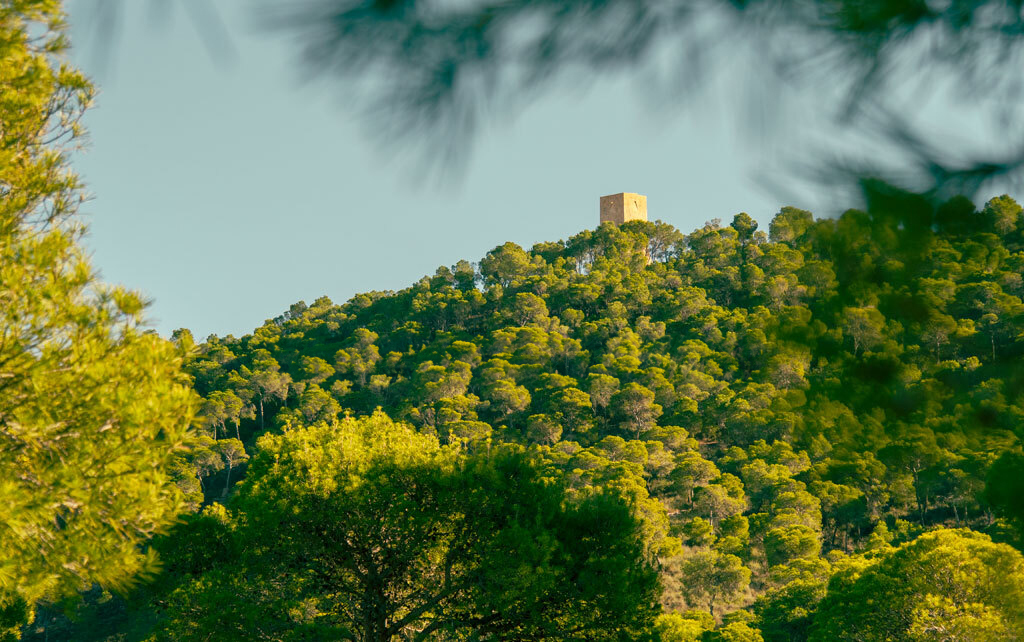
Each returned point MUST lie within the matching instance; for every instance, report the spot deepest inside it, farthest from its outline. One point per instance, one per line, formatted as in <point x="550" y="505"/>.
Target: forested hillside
<point x="800" y="425"/>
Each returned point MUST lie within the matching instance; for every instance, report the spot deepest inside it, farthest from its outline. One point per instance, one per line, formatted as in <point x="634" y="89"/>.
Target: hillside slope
<point x="783" y="408"/>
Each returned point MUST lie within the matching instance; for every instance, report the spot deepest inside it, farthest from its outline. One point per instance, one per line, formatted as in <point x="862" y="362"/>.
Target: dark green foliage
<point x="1004" y="488"/>
<point x="366" y="528"/>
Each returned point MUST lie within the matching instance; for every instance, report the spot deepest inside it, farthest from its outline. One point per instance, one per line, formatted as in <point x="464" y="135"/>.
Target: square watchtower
<point x="622" y="207"/>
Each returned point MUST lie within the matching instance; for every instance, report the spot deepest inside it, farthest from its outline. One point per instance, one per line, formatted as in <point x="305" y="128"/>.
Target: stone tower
<point x="619" y="208"/>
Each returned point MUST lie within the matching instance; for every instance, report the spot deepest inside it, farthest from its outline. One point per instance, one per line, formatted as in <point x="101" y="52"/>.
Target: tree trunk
<point x="375" y="620"/>
<point x="917" y="493"/>
<point x="227" y="483"/>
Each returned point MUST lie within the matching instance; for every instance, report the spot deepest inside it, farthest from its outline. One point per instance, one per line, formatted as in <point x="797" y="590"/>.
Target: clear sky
<point x="226" y="188"/>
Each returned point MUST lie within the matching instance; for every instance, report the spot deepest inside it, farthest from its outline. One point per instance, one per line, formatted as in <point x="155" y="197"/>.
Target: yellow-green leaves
<point x="377" y="528"/>
<point x="945" y="585"/>
<point x="92" y="408"/>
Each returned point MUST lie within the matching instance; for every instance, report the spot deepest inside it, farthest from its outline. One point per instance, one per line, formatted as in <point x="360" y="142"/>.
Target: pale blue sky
<point x="227" y="190"/>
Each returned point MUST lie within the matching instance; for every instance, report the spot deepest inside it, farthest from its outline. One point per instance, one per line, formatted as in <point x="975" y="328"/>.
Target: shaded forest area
<point x="803" y="424"/>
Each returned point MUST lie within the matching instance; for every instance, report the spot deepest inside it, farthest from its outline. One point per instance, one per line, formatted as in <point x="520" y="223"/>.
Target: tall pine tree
<point x="92" y="406"/>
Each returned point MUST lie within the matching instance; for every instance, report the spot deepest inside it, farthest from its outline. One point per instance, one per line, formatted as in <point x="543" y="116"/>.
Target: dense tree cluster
<point x="798" y="422"/>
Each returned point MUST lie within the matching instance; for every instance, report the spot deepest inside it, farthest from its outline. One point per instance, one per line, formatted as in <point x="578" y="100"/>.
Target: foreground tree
<point x="92" y="407"/>
<point x="944" y="585"/>
<point x="368" y="530"/>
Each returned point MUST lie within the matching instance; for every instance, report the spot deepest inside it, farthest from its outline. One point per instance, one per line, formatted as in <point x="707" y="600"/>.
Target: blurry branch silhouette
<point x="927" y="168"/>
<point x="106" y="23"/>
<point x="430" y="71"/>
<point x="210" y="26"/>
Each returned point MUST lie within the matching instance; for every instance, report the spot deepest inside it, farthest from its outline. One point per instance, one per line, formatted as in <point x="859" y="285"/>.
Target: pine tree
<point x="92" y="406"/>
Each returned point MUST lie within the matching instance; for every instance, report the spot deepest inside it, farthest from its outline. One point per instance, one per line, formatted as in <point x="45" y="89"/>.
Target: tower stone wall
<point x="622" y="207"/>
